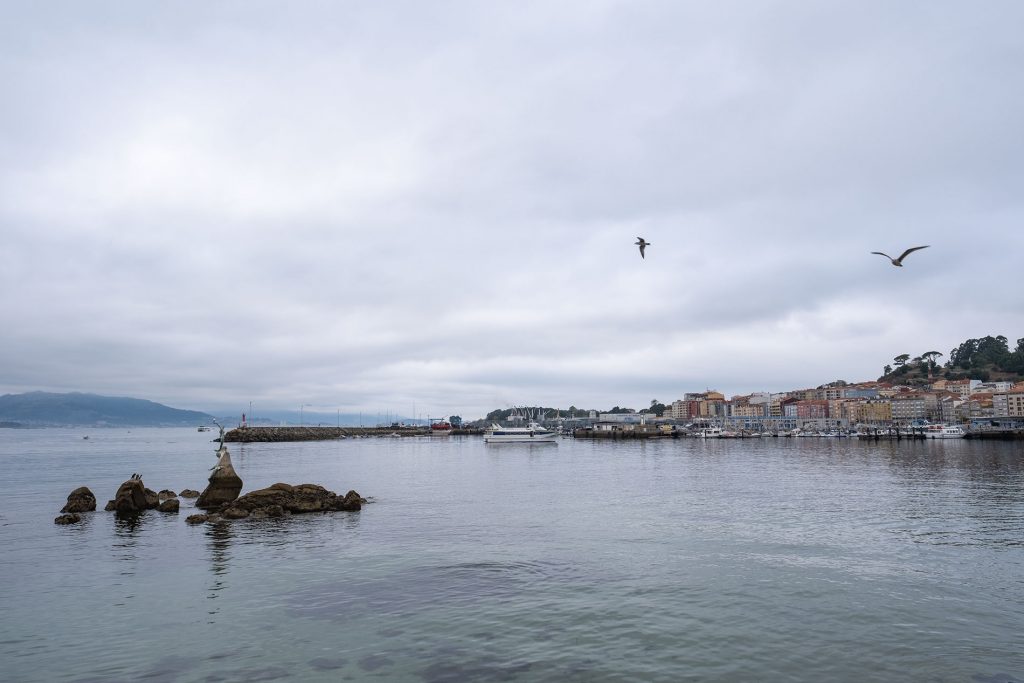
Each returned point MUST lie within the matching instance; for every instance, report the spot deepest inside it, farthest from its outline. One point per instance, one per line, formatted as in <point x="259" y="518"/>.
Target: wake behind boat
<point x="533" y="433"/>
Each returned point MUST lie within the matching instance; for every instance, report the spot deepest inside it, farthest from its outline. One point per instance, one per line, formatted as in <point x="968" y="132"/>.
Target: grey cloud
<point x="357" y="205"/>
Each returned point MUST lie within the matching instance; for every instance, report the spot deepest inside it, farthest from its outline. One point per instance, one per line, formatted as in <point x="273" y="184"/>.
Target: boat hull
<point x="944" y="432"/>
<point x="535" y="433"/>
<point x="520" y="438"/>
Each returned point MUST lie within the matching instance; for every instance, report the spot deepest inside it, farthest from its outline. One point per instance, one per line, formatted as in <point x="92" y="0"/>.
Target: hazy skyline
<point x="366" y="207"/>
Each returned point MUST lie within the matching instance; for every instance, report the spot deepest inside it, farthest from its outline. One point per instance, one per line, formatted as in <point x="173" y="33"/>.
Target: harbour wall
<point x="277" y="434"/>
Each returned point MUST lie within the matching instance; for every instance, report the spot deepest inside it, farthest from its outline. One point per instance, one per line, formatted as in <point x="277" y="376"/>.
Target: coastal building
<point x="875" y="411"/>
<point x="1014" y="403"/>
<point x="1000" y="405"/>
<point x="848" y="409"/>
<point x="993" y="387"/>
<point x="746" y="410"/>
<point x="804" y="394"/>
<point x="963" y="387"/>
<point x="908" y="406"/>
<point x="811" y="409"/>
<point x="860" y="392"/>
<point x="621" y="418"/>
<point x="977" y="406"/>
<point x="830" y="393"/>
<point x="713" y="405"/>
<point x="949" y="408"/>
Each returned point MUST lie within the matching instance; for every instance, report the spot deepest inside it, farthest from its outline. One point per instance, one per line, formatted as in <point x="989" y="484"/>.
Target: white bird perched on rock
<point x="898" y="262"/>
<point x="642" y="243"/>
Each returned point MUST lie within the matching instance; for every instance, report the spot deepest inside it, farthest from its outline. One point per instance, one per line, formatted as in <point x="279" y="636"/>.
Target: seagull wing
<point x="642" y="246"/>
<point x="904" y="254"/>
<point x="881" y="254"/>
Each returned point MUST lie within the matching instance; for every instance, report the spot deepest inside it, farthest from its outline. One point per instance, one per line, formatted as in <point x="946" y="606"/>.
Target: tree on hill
<point x="985" y="358"/>
<point x="929" y="357"/>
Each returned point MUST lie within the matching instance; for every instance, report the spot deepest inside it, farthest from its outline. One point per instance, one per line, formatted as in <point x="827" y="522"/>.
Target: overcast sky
<point x="371" y="206"/>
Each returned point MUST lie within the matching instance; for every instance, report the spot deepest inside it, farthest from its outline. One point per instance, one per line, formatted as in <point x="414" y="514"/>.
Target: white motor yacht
<point x="533" y="433"/>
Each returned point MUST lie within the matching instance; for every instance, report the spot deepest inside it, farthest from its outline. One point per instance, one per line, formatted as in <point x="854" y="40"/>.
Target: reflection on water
<point x="127" y="538"/>
<point x="219" y="536"/>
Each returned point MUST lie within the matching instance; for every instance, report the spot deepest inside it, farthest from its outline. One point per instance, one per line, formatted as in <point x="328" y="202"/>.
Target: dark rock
<point x="269" y="511"/>
<point x="80" y="500"/>
<point x="233" y="512"/>
<point x="165" y="494"/>
<point x="70" y="518"/>
<point x="352" y="501"/>
<point x="189" y="493"/>
<point x="197" y="519"/>
<point x="133" y="497"/>
<point x="281" y="499"/>
<point x="225" y="484"/>
<point x="169" y="505"/>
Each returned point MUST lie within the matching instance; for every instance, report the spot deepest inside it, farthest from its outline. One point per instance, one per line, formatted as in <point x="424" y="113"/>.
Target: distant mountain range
<point x="41" y="409"/>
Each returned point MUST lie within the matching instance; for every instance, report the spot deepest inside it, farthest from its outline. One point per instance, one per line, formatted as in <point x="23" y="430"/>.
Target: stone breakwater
<point x="273" y="434"/>
<point x="258" y="434"/>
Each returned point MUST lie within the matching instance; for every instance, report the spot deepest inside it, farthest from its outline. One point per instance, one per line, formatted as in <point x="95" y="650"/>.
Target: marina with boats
<point x="536" y="432"/>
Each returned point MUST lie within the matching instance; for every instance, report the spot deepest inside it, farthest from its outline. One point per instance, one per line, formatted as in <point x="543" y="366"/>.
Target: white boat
<point x="533" y="433"/>
<point x="944" y="432"/>
<point x="717" y="433"/>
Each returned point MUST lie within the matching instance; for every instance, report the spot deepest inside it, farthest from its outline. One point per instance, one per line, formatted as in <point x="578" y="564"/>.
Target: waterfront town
<point x="839" y="406"/>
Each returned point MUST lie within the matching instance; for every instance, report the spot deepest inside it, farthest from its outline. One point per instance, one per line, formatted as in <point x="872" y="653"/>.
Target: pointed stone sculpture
<point x="225" y="484"/>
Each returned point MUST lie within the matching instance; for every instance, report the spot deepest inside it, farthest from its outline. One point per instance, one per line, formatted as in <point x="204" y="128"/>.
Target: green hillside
<point x="988" y="359"/>
<point x="42" y="409"/>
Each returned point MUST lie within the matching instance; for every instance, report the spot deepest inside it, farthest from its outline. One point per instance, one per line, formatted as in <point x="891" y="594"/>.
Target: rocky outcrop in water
<point x="133" y="497"/>
<point x="80" y="500"/>
<point x="169" y="505"/>
<point x="280" y="500"/>
<point x="189" y="493"/>
<point x="165" y="494"/>
<point x="224" y="486"/>
<point x="70" y="518"/>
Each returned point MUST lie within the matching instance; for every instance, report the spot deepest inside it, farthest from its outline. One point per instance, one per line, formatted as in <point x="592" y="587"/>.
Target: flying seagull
<point x="642" y="243"/>
<point x="898" y="262"/>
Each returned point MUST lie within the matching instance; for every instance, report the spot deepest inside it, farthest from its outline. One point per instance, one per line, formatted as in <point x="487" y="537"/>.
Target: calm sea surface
<point x="675" y="560"/>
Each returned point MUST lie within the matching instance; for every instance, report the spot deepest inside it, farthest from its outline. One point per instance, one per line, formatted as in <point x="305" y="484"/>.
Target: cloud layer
<point x="366" y="206"/>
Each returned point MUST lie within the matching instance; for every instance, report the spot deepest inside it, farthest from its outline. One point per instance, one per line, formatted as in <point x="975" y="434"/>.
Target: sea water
<point x="662" y="560"/>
